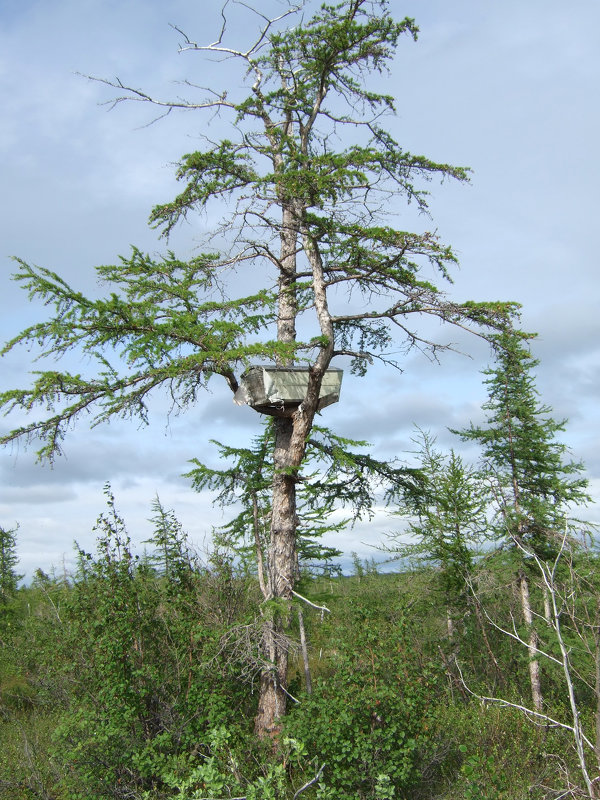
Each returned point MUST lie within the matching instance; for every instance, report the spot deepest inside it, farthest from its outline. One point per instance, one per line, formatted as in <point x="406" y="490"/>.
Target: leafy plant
<point x="145" y="687"/>
<point x="483" y="782"/>
<point x="367" y="716"/>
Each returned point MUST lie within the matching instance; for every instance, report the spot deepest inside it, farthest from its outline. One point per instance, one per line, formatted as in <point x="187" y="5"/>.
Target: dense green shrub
<point x="133" y="679"/>
<point x="149" y="676"/>
<point x="492" y="753"/>
<point x="368" y="715"/>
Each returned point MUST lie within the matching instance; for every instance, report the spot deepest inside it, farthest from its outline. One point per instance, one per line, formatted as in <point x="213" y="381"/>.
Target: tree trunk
<point x="597" y="685"/>
<point x="499" y="675"/>
<point x="264" y="579"/>
<point x="547" y="610"/>
<point x="449" y="625"/>
<point x="290" y="445"/>
<point x="282" y="558"/>
<point x="272" y="700"/>
<point x="534" y="664"/>
<point x="303" y="646"/>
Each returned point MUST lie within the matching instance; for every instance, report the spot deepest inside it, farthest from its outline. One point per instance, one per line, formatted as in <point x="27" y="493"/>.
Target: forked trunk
<point x="272" y="700"/>
<point x="290" y="444"/>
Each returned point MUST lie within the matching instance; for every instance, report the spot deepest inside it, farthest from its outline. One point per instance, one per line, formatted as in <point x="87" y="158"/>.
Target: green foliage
<point x="171" y="556"/>
<point x="311" y="221"/>
<point x="357" y="565"/>
<point x="334" y="475"/>
<point x="368" y="715"/>
<point x="145" y="688"/>
<point x="387" y="719"/>
<point x="535" y="487"/>
<point x="26" y="771"/>
<point x="9" y="578"/>
<point x="482" y="781"/>
<point x="324" y="58"/>
<point x="448" y="519"/>
<point x="220" y="773"/>
<point x="171" y="324"/>
<point x="159" y="327"/>
<point x="491" y="754"/>
<point x="149" y="664"/>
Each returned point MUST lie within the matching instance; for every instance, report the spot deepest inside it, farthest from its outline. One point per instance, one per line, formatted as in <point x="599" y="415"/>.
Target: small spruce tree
<point x="9" y="579"/>
<point x="535" y="486"/>
<point x="447" y="522"/>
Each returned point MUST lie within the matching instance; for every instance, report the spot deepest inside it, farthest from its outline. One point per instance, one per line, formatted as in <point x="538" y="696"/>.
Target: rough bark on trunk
<point x="272" y="697"/>
<point x="291" y="432"/>
<point x="282" y="545"/>
<point x="534" y="664"/>
<point x="282" y="558"/>
<point x="290" y="445"/>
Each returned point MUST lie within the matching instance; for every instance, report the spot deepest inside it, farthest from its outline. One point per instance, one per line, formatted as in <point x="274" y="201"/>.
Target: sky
<point x="509" y="89"/>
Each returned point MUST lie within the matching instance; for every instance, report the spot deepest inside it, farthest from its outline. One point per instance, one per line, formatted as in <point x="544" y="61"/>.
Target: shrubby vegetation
<point x="473" y="672"/>
<point x="136" y="677"/>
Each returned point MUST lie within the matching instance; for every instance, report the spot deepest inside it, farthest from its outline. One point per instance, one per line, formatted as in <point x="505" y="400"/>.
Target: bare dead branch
<point x="310" y="783"/>
<point x="545" y="719"/>
<point x="217" y="46"/>
<point x="313" y="605"/>
<point x="137" y="95"/>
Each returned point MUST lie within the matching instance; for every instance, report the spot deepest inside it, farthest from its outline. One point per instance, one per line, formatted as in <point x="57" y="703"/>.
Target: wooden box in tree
<point x="277" y="390"/>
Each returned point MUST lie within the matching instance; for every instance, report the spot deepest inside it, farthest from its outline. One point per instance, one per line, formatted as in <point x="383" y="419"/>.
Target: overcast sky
<point x="510" y="89"/>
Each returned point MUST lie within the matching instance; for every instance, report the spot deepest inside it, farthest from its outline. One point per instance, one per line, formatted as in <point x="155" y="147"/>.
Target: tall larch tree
<point x="309" y="177"/>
